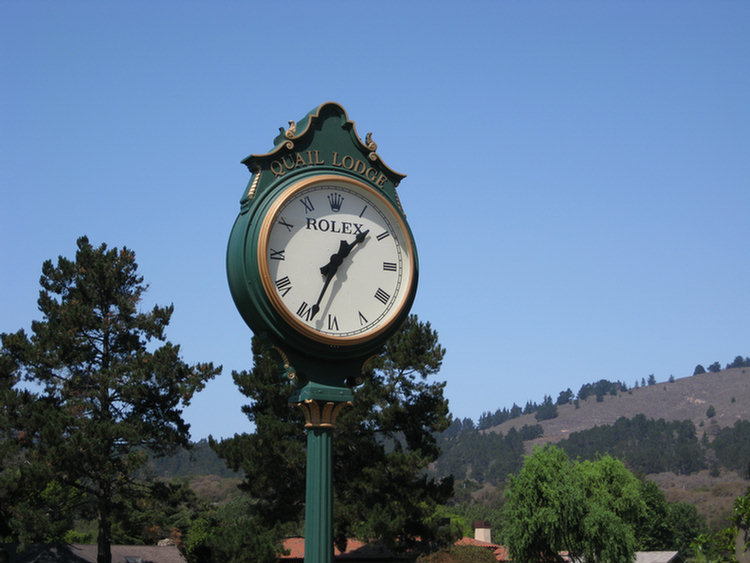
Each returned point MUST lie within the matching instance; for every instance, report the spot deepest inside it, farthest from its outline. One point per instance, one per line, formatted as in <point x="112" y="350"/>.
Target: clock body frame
<point x="254" y="277"/>
<point x="322" y="147"/>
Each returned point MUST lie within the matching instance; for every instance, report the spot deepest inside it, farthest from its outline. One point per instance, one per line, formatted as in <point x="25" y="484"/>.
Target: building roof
<point x="86" y="553"/>
<point x="356" y="550"/>
<point x="499" y="551"/>
<point x="657" y="557"/>
<point x="360" y="551"/>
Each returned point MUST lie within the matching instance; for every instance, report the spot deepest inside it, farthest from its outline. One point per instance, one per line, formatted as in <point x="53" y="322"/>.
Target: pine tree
<point x="382" y="444"/>
<point x="109" y="394"/>
<point x="386" y="440"/>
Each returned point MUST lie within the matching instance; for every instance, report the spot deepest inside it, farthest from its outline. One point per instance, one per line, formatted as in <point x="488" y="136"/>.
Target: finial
<point x="369" y="143"/>
<point x="289" y="133"/>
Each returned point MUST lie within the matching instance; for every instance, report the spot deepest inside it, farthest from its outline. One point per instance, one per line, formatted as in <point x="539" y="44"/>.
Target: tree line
<point x="95" y="390"/>
<point x="644" y="445"/>
<point x="738" y="362"/>
<point x="547" y="409"/>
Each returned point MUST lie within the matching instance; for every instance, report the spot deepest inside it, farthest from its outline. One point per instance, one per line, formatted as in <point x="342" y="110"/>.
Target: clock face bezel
<point x="403" y="240"/>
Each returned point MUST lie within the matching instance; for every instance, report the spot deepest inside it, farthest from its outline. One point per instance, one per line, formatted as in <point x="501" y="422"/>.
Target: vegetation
<point x="556" y="505"/>
<point x="484" y="458"/>
<point x="197" y="460"/>
<point x="547" y="409"/>
<point x="93" y="447"/>
<point x="600" y="388"/>
<point x="594" y="510"/>
<point x="107" y="395"/>
<point x="739" y="362"/>
<point x="459" y="554"/>
<point x="646" y="446"/>
<point x="731" y="447"/>
<point x="382" y="446"/>
<point x="233" y="533"/>
<point x="721" y="545"/>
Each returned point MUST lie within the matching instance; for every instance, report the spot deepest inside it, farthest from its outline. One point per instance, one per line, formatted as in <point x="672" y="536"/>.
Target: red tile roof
<point x="355" y="549"/>
<point x="358" y="550"/>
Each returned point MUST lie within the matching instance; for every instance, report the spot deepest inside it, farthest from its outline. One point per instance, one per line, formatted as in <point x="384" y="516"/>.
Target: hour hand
<point x="329" y="270"/>
<point x="344" y="249"/>
<point x="336" y="259"/>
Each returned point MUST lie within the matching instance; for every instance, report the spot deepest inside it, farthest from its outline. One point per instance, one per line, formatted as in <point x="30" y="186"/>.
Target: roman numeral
<point x="284" y="286"/>
<point x="305" y="311"/>
<point x="363" y="211"/>
<point x="389" y="266"/>
<point x="277" y="254"/>
<point x="362" y="319"/>
<point x="382" y="235"/>
<point x="382" y="296"/>
<point x="307" y="202"/>
<point x="289" y="227"/>
<point x="333" y="323"/>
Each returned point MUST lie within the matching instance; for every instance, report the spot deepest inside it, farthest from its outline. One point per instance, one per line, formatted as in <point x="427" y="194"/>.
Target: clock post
<point x="322" y="266"/>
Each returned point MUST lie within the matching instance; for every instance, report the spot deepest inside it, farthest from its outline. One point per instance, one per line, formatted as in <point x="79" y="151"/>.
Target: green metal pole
<point x="319" y="496"/>
<point x="321" y="405"/>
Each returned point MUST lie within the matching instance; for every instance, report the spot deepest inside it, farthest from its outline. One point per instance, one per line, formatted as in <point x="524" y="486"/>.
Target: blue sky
<point x="578" y="173"/>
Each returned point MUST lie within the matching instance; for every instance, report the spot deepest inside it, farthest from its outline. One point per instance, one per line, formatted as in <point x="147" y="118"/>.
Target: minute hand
<point x="330" y="269"/>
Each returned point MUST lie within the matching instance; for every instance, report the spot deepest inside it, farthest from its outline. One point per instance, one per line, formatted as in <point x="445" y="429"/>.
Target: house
<point x="657" y="557"/>
<point x="499" y="551"/>
<point x="360" y="552"/>
<point x="483" y="538"/>
<point x="86" y="553"/>
<point x="356" y="552"/>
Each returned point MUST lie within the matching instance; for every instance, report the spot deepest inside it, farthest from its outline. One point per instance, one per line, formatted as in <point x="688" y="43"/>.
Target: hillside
<point x="687" y="398"/>
<point x="484" y="458"/>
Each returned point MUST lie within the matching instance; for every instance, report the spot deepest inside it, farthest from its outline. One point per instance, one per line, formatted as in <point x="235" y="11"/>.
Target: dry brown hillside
<point x="683" y="399"/>
<point x="686" y="398"/>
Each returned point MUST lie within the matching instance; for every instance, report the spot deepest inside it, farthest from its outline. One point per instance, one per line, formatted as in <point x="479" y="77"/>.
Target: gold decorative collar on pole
<point x="321" y="414"/>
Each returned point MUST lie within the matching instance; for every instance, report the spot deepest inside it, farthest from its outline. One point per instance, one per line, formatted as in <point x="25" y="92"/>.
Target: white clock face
<point x="335" y="259"/>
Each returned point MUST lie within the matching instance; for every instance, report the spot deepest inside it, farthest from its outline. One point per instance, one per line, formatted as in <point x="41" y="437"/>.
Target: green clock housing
<point x="321" y="260"/>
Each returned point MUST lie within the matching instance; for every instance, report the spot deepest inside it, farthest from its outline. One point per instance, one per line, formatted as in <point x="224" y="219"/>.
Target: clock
<point x="335" y="260"/>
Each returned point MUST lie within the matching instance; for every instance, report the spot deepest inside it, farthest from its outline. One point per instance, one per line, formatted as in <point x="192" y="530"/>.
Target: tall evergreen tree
<point x="32" y="505"/>
<point x="110" y="395"/>
<point x="382" y="444"/>
<point x="547" y="410"/>
<point x="387" y="439"/>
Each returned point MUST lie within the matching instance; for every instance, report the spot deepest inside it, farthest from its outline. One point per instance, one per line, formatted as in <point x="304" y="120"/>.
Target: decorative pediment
<point x="323" y="140"/>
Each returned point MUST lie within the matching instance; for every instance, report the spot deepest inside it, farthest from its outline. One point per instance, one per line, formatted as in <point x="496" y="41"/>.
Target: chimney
<point x="482" y="531"/>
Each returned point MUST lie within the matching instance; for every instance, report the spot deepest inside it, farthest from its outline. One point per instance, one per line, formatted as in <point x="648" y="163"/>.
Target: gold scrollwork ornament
<point x="372" y="146"/>
<point x="289" y="133"/>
